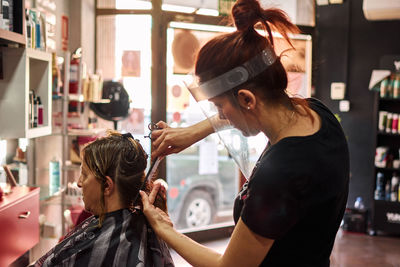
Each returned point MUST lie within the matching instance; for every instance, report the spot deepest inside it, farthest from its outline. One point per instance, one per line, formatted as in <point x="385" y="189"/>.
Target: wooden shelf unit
<point x="26" y="69"/>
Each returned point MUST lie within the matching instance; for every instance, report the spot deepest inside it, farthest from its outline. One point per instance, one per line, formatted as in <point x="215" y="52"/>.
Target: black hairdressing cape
<point x="124" y="239"/>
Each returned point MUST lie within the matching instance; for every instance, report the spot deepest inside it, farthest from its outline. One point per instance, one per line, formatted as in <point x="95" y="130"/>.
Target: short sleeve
<point x="271" y="207"/>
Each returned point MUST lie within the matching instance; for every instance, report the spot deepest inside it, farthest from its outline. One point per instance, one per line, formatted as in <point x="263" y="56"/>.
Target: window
<point x="124" y="54"/>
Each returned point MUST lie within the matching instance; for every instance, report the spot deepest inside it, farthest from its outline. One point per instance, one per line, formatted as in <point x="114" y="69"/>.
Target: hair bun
<point x="246" y="13"/>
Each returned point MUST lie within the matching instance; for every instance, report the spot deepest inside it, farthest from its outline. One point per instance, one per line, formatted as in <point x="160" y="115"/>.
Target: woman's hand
<point x="173" y="140"/>
<point x="157" y="218"/>
<point x="169" y="140"/>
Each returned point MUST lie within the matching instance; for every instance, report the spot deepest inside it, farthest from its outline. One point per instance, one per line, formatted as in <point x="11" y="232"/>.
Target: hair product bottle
<point x="54" y="176"/>
<point x="394" y="188"/>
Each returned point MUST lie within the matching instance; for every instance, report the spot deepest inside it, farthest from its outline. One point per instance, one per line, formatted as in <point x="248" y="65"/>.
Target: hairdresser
<point x="289" y="211"/>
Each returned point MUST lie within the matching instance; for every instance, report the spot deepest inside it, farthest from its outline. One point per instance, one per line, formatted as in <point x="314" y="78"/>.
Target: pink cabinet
<point x="19" y="223"/>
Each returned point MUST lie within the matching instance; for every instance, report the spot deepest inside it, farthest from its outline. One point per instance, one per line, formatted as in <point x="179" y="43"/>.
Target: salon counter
<point x="19" y="223"/>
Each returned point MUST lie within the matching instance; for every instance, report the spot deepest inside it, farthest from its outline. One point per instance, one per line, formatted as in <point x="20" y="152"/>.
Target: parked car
<point x="194" y="200"/>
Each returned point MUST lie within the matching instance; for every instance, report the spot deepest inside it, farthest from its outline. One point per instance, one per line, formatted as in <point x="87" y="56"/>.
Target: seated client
<point x="112" y="171"/>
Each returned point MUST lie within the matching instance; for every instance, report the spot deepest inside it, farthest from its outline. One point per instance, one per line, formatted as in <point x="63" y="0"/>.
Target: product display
<point x="40" y="111"/>
<point x="56" y="76"/>
<point x="387" y="191"/>
<point x="387" y="188"/>
<point x="380" y="186"/>
<point x="36" y="110"/>
<point x="389" y="87"/>
<point x="75" y="74"/>
<point x="387" y="155"/>
<point x="395" y="123"/>
<point x="394" y="187"/>
<point x="388" y="122"/>
<point x="54" y="176"/>
<point x="381" y="157"/>
<point x="35" y="29"/>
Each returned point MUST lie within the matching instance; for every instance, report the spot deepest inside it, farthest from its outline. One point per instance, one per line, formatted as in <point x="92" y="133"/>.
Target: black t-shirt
<point x="297" y="194"/>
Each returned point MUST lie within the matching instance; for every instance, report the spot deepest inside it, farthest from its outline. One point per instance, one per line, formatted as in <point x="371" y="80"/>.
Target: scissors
<point x="154" y="165"/>
<point x="152" y="126"/>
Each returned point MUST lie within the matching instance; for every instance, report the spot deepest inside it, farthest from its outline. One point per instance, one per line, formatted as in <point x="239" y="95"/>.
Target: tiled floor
<point x="350" y="250"/>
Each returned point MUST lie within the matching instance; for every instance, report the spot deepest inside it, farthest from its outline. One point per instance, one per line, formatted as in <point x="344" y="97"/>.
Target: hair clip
<point x="127" y="135"/>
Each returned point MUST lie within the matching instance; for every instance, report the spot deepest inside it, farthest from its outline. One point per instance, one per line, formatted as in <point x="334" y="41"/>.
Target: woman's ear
<point x="109" y="186"/>
<point x="246" y="99"/>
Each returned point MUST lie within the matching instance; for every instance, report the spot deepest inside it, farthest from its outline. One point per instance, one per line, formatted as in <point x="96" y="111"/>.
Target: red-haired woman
<point x="289" y="212"/>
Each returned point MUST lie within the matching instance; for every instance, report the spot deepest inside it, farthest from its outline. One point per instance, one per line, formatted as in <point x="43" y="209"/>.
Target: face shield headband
<point x="227" y="118"/>
<point x="234" y="77"/>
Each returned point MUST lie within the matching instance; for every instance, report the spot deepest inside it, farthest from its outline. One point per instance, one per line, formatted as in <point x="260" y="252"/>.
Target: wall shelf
<point x="389" y="99"/>
<point x="8" y="37"/>
<point x="45" y="193"/>
<point x="387" y="169"/>
<point x="80" y="98"/>
<point x="69" y="166"/>
<point x="388" y="134"/>
<point x="38" y="132"/>
<point x="383" y="213"/>
<point x="86" y="132"/>
<point x="26" y="69"/>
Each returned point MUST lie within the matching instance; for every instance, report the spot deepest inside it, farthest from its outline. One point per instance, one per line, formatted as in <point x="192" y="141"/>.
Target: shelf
<point x="385" y="213"/>
<point x="388" y="134"/>
<point x="80" y="98"/>
<point x="389" y="99"/>
<point x="387" y="169"/>
<point x="72" y="167"/>
<point x="45" y="192"/>
<point x="38" y="54"/>
<point x="11" y="37"/>
<point x="57" y="97"/>
<point x="81" y="132"/>
<point x="56" y="200"/>
<point x="86" y="132"/>
<point x="395" y="203"/>
<point x="38" y="131"/>
<point x="25" y="70"/>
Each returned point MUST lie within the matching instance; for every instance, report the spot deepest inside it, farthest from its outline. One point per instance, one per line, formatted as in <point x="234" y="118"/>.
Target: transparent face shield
<point x="220" y="105"/>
